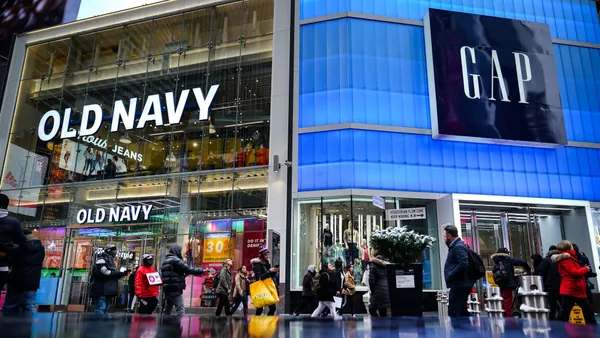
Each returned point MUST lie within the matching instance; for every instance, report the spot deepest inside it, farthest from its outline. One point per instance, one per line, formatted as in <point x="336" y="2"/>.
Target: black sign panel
<point x="492" y="80"/>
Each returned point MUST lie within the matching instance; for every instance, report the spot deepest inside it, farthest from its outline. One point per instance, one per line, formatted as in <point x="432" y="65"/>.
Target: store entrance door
<point x="83" y="248"/>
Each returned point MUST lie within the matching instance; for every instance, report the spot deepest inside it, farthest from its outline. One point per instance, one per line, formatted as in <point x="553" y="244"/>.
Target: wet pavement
<point x="123" y="325"/>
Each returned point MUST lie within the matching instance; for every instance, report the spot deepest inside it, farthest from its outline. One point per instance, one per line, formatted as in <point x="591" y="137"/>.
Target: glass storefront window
<point x="339" y="229"/>
<point x="203" y="183"/>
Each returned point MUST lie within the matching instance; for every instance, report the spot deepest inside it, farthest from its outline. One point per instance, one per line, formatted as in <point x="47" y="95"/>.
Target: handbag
<point x="264" y="293"/>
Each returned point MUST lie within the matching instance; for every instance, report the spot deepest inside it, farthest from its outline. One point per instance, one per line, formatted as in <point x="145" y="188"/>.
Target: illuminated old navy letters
<point x="115" y="214"/>
<point x="152" y="113"/>
<point x="523" y="75"/>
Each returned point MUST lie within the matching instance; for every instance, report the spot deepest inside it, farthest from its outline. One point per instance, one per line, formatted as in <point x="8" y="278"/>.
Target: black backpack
<point x="217" y="279"/>
<point x="7" y="248"/>
<point x="476" y="269"/>
<point x="500" y="272"/>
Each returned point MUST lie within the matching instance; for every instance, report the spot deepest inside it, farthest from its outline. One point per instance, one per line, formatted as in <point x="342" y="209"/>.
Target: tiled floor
<point x="121" y="325"/>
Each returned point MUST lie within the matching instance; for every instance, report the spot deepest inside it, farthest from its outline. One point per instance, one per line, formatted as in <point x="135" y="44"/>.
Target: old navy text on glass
<point x="152" y="112"/>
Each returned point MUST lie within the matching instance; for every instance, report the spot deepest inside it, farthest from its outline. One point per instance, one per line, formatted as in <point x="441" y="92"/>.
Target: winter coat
<point x="261" y="268"/>
<point x="131" y="282"/>
<point x="349" y="284"/>
<point x="307" y="283"/>
<point x="456" y="269"/>
<point x="326" y="290"/>
<point x="143" y="289"/>
<point x="27" y="269"/>
<point x="509" y="263"/>
<point x="378" y="284"/>
<point x="11" y="235"/>
<point x="241" y="285"/>
<point x="105" y="277"/>
<point x="225" y="281"/>
<point x="573" y="275"/>
<point x="548" y="270"/>
<point x="173" y="271"/>
<point x="337" y="280"/>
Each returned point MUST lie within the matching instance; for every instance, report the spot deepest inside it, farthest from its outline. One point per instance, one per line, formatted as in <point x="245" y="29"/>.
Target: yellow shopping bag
<point x="576" y="316"/>
<point x="263" y="293"/>
<point x="262" y="326"/>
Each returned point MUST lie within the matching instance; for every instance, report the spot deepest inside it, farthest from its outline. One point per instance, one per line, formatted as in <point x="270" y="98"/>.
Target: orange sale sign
<point x="217" y="247"/>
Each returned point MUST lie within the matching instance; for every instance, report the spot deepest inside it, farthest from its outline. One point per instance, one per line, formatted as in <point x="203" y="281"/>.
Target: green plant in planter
<point x="400" y="245"/>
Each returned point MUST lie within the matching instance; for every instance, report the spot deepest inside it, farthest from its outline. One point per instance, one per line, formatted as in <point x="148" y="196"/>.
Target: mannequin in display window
<point x="262" y="155"/>
<point x="351" y="243"/>
<point x="364" y="247"/>
<point x="339" y="252"/>
<point x="250" y="155"/>
<point x="327" y="240"/>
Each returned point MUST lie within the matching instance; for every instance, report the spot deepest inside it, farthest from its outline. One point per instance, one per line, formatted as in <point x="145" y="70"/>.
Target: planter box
<point x="405" y="283"/>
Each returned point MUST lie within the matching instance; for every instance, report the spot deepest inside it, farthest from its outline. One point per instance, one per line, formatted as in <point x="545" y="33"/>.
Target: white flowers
<point x="399" y="244"/>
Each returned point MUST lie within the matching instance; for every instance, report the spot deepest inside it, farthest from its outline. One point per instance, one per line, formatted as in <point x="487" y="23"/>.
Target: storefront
<point x="143" y="133"/>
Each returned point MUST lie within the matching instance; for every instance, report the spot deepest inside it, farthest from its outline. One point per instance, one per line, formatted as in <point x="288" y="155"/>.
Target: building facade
<point x="226" y="125"/>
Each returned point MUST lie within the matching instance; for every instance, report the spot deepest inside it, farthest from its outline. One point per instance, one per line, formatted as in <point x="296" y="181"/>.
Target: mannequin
<point x="250" y="155"/>
<point x="262" y="155"/>
<point x="351" y="243"/>
<point x="365" y="254"/>
<point x="339" y="252"/>
<point x="327" y="240"/>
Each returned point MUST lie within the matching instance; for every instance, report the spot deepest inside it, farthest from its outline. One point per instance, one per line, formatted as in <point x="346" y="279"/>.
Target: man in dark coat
<point x="504" y="276"/>
<point x="262" y="269"/>
<point x="173" y="271"/>
<point x="325" y="293"/>
<point x="548" y="270"/>
<point x="456" y="273"/>
<point x="585" y="261"/>
<point x="105" y="279"/>
<point x="11" y="238"/>
<point x="24" y="280"/>
<point x="308" y="295"/>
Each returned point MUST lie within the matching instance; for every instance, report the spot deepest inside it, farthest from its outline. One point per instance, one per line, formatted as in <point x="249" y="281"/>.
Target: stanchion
<point x="474" y="305"/>
<point x="534" y="304"/>
<point x="442" y="301"/>
<point x="494" y="302"/>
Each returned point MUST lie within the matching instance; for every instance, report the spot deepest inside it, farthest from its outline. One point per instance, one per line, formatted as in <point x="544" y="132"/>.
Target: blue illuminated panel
<point x="406" y="162"/>
<point x="345" y="76"/>
<point x="568" y="19"/>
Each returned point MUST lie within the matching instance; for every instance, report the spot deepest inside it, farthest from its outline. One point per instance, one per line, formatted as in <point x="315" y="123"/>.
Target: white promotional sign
<point x="153" y="278"/>
<point x="379" y="202"/>
<point x="115" y="214"/>
<point x="405" y="282"/>
<point x="405" y="214"/>
<point x="52" y="121"/>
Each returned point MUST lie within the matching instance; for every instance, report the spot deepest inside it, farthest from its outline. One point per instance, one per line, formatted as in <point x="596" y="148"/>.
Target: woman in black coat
<point x="326" y="292"/>
<point x="380" y="295"/>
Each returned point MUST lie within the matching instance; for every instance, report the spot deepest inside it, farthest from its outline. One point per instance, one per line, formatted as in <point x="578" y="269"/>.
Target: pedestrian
<point x="551" y="278"/>
<point x="240" y="291"/>
<point x="173" y="272"/>
<point x="24" y="279"/>
<point x="146" y="286"/>
<point x="224" y="288"/>
<point x="11" y="238"/>
<point x="504" y="277"/>
<point x="536" y="260"/>
<point x="337" y="277"/>
<point x="325" y="292"/>
<point x="583" y="261"/>
<point x="308" y="294"/>
<point x="131" y="290"/>
<point x="379" y="301"/>
<point x="456" y="273"/>
<point x="573" y="287"/>
<point x="105" y="279"/>
<point x="349" y="289"/>
<point x="263" y="270"/>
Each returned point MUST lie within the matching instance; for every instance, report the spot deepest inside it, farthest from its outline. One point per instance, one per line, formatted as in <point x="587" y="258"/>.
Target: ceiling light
<point x="211" y="128"/>
<point x="195" y="144"/>
<point x="171" y="157"/>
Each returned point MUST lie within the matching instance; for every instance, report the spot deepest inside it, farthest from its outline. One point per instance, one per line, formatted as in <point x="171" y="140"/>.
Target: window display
<point x="339" y="229"/>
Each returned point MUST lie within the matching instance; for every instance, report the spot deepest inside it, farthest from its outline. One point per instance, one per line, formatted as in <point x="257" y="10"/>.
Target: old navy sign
<point x="151" y="113"/>
<point x="492" y="80"/>
<point x="114" y="214"/>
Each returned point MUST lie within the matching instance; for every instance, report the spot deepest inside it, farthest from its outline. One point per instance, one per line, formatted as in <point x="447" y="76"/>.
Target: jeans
<point x="567" y="305"/>
<point x="223" y="304"/>
<point x="149" y="307"/>
<point x="457" y="301"/>
<point x="507" y="302"/>
<point x="177" y="301"/>
<point x="322" y="306"/>
<point x="240" y="299"/>
<point x="19" y="300"/>
<point x="101" y="304"/>
<point x="271" y="312"/>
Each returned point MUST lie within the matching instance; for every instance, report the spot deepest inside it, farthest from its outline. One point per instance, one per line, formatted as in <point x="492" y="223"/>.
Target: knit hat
<point x="263" y="250"/>
<point x="552" y="247"/>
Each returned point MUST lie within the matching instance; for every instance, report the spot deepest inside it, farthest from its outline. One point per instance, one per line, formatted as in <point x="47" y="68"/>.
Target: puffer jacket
<point x="105" y="277"/>
<point x="27" y="270"/>
<point x="143" y="289"/>
<point x="548" y="270"/>
<point x="261" y="269"/>
<point x="378" y="284"/>
<point x="326" y="289"/>
<point x="173" y="271"/>
<point x="456" y="269"/>
<point x="573" y="275"/>
<point x="225" y="281"/>
<point x="509" y="263"/>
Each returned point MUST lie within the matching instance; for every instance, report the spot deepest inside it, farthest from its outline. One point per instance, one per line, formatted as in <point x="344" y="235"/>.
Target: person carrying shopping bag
<point x="263" y="272"/>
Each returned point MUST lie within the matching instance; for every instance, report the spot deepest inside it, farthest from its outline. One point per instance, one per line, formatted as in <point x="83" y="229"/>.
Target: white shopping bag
<point x="338" y="302"/>
<point x="133" y="303"/>
<point x="154" y="278"/>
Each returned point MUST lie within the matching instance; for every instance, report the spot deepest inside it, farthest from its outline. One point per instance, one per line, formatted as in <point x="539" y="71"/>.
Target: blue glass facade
<point x="374" y="72"/>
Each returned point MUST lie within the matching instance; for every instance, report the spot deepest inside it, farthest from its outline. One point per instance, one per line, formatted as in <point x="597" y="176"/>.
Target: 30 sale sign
<point x="217" y="247"/>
